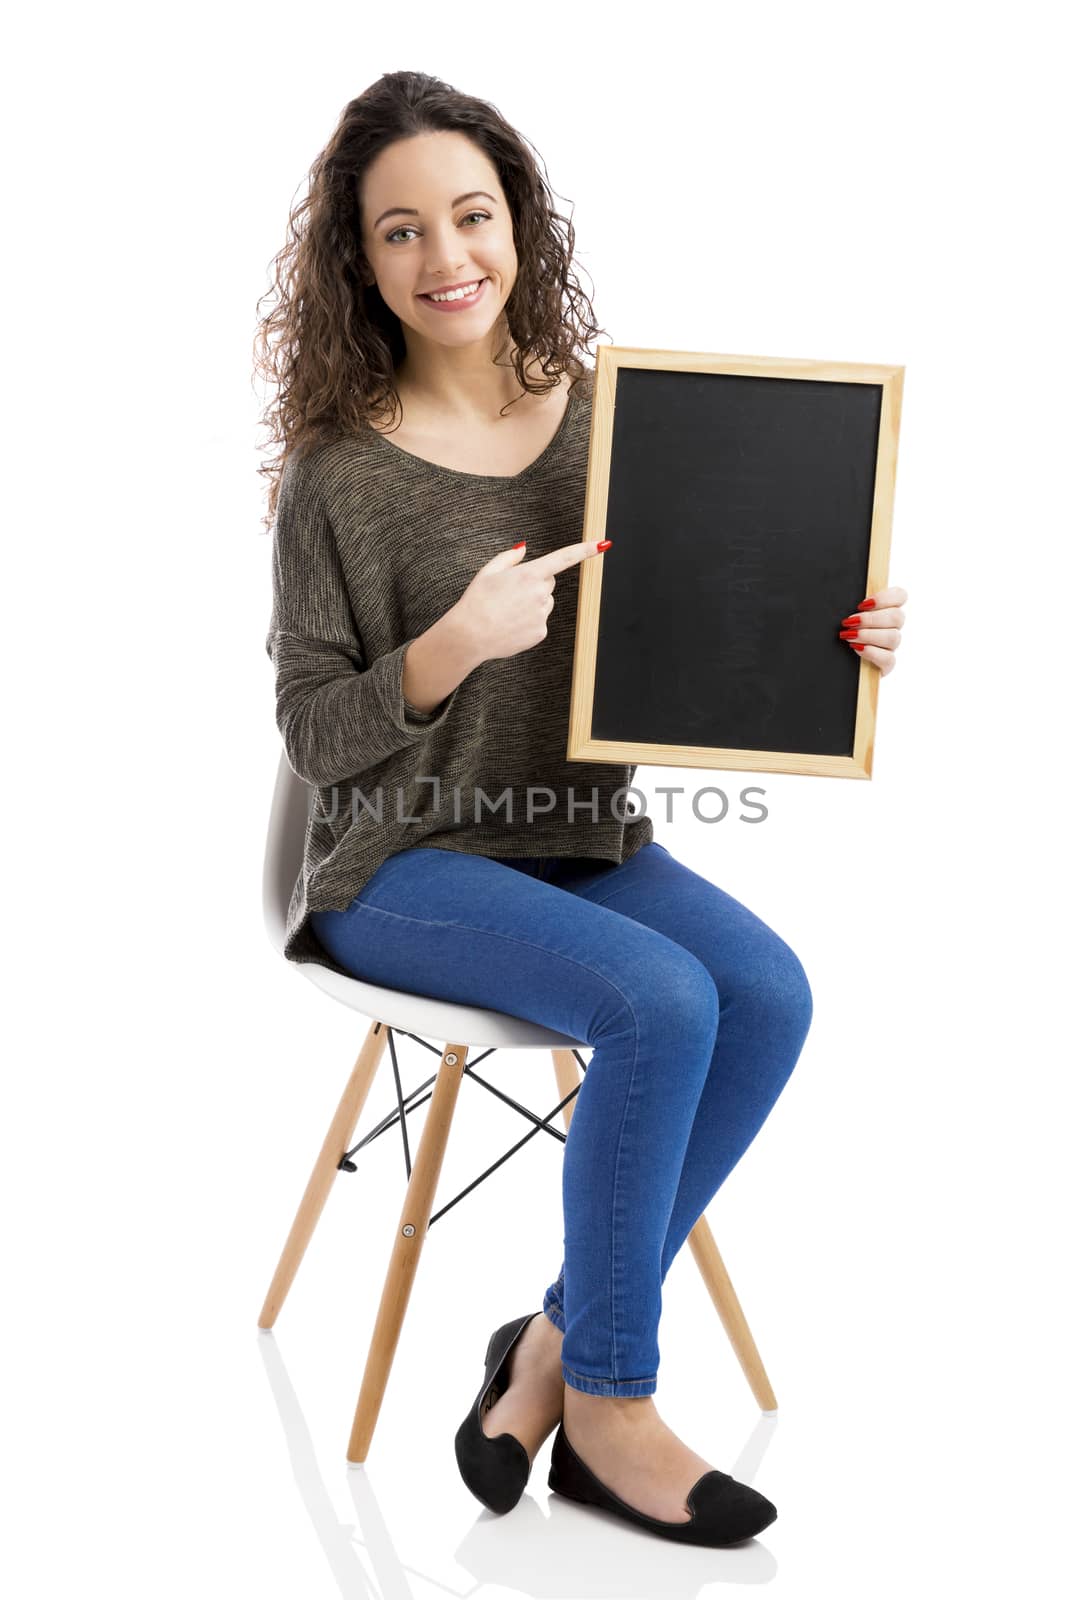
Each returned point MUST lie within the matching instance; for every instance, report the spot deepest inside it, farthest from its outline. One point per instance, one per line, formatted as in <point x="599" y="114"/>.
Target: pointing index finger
<point x="567" y="555"/>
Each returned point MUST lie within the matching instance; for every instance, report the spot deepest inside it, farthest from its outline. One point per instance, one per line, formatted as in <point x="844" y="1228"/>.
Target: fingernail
<point x="845" y="621"/>
<point x="866" y="605"/>
<point x="603" y="545"/>
<point x="859" y="647"/>
<point x="851" y="633"/>
<point x="517" y="543"/>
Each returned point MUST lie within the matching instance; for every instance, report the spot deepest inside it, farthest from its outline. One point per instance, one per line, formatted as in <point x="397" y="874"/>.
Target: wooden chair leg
<point x="324" y="1172"/>
<point x="728" y="1306"/>
<point x="411" y="1232"/>
<point x="567" y="1078"/>
<point x="708" y="1259"/>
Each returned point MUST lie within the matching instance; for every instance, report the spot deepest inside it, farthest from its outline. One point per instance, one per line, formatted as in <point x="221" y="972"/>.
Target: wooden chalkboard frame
<point x="610" y="359"/>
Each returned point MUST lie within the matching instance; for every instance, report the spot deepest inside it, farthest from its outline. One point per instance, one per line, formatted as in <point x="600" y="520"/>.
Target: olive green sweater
<point x="370" y="546"/>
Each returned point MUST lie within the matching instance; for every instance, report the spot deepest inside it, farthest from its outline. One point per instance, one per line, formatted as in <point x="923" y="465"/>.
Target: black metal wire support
<point x="406" y="1103"/>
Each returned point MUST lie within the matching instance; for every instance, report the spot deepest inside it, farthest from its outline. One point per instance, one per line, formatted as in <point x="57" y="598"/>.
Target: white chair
<point x="392" y="1011"/>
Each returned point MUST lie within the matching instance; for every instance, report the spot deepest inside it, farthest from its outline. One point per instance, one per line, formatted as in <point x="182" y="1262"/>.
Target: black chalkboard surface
<point x="749" y="500"/>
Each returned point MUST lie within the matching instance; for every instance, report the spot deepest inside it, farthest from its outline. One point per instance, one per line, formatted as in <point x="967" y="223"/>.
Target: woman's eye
<point x="408" y="229"/>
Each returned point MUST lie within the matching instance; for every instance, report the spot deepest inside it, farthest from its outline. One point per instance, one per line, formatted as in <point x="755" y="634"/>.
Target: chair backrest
<point x="286" y="829"/>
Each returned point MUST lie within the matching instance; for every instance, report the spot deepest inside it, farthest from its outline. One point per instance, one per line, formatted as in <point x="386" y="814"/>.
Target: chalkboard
<point x="749" y="500"/>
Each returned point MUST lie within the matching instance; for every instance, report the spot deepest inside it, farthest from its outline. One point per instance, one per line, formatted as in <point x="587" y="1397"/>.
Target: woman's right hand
<point x="504" y="609"/>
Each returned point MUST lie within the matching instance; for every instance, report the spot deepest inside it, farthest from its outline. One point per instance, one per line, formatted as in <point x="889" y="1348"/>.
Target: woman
<point x="434" y="418"/>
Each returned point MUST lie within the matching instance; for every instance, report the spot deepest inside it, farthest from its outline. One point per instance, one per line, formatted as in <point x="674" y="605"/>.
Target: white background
<point x="844" y="182"/>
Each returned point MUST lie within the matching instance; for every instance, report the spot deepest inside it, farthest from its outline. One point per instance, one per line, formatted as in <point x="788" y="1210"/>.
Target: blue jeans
<point x="696" y="1012"/>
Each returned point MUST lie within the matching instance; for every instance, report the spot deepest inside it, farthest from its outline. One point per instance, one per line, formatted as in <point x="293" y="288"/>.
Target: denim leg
<point x="623" y="1156"/>
<point x="765" y="1011"/>
<point x="762" y="1030"/>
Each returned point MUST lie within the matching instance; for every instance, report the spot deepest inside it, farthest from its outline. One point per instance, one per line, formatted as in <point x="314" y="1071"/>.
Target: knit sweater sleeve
<point x="338" y="715"/>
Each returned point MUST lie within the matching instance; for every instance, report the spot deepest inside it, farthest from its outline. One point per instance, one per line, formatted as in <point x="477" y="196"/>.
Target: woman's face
<point x="445" y="222"/>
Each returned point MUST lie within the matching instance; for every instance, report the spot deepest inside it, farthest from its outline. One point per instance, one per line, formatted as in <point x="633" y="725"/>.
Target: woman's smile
<point x="461" y="300"/>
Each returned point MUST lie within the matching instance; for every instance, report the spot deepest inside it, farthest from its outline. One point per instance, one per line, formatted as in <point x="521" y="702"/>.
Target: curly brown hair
<point x="330" y="346"/>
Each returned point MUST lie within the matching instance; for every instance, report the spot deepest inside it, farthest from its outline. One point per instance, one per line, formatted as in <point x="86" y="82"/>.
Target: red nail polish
<point x="853" y="618"/>
<point x="517" y="543"/>
<point x="850" y="633"/>
<point x="859" y="647"/>
<point x="603" y="545"/>
<point x="865" y="605"/>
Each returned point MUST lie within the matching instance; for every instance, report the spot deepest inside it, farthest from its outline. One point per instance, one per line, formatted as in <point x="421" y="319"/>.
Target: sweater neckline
<point x="435" y="469"/>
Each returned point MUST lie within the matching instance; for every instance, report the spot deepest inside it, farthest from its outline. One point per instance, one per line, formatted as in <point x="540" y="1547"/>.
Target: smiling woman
<point x="420" y="193"/>
<point x="422" y="628"/>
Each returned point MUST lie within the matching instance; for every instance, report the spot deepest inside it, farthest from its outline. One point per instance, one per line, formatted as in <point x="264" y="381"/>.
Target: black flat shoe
<point x="723" y="1510"/>
<point x="495" y="1469"/>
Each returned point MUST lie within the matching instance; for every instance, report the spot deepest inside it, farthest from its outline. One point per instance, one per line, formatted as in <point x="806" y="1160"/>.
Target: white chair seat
<point x="438" y="1019"/>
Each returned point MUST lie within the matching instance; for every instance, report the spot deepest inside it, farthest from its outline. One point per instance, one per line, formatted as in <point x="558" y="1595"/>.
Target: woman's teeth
<point x="457" y="294"/>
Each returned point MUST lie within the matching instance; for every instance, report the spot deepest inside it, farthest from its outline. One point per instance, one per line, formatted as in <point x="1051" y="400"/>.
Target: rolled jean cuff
<point x="625" y="1387"/>
<point x="552" y="1311"/>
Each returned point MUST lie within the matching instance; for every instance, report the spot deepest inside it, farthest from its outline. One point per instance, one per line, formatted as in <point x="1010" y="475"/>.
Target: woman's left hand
<point x="873" y="629"/>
